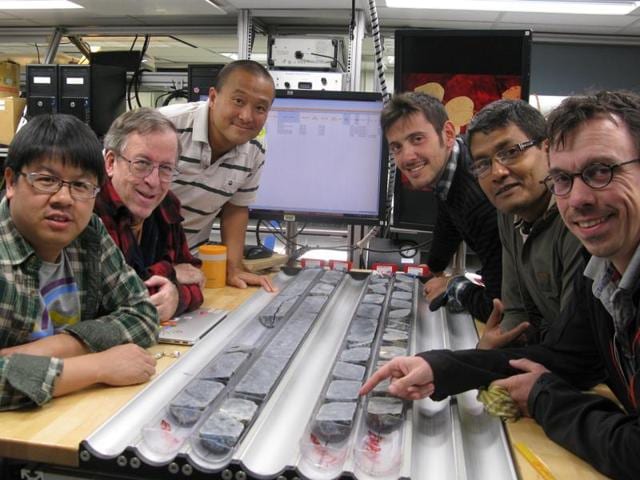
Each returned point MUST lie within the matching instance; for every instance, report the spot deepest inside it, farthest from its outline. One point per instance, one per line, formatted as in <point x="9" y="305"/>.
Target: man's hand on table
<point x="121" y="365"/>
<point x="241" y="279"/>
<point x="126" y="364"/>
<point x="165" y="299"/>
<point x="188" y="274"/>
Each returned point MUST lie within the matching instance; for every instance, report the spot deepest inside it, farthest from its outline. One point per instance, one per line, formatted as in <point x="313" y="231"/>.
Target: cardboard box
<point x="9" y="76"/>
<point x="9" y="92"/>
<point x="10" y="112"/>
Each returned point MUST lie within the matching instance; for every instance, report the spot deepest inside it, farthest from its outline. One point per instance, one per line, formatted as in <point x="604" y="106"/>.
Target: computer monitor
<point x="325" y="159"/>
<point x="466" y="70"/>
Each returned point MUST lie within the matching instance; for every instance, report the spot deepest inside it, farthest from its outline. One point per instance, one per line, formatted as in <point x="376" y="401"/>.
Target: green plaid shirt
<point x="115" y="307"/>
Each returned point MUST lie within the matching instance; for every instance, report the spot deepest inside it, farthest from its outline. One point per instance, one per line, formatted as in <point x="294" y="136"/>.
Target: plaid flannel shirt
<point x="115" y="308"/>
<point x="163" y="243"/>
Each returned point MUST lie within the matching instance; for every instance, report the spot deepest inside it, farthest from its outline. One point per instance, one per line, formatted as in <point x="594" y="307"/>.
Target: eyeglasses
<point x="144" y="168"/>
<point x="596" y="176"/>
<point x="482" y="166"/>
<point x="45" y="183"/>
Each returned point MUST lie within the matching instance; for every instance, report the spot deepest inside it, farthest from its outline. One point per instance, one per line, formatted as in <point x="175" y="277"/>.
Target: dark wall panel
<point x="566" y="69"/>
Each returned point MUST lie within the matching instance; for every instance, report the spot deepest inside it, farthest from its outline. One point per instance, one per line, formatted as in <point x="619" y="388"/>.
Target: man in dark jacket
<point x="540" y="256"/>
<point x="424" y="144"/>
<point x="594" y="173"/>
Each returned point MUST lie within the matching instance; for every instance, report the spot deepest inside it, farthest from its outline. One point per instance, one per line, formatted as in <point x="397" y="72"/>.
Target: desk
<point x="52" y="434"/>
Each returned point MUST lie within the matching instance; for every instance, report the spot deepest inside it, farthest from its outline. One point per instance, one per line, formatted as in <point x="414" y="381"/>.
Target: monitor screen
<point x="325" y="158"/>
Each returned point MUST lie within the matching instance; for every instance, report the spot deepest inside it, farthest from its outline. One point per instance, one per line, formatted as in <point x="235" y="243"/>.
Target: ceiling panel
<point x="562" y="29"/>
<point x="631" y="29"/>
<point x="150" y="7"/>
<point x="421" y="15"/>
<point x="446" y="24"/>
<point x="289" y="4"/>
<point x="616" y="21"/>
<point x="297" y="17"/>
<point x="16" y="22"/>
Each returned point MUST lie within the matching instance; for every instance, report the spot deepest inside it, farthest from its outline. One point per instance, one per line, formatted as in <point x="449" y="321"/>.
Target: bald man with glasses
<point x="142" y="216"/>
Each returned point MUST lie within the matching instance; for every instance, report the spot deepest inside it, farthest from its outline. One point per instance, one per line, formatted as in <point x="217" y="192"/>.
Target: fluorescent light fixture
<point x="258" y="57"/>
<point x="37" y="5"/>
<point x="232" y="56"/>
<point x="214" y="4"/>
<point x="575" y="7"/>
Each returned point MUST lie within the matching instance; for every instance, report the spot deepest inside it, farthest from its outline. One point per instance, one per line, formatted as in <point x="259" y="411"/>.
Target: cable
<point x="172" y="95"/>
<point x="145" y="46"/>
<point x="279" y="232"/>
<point x="38" y="51"/>
<point x="328" y="56"/>
<point x="352" y="24"/>
<point x="302" y="248"/>
<point x="258" y="241"/>
<point x="284" y="238"/>
<point x="160" y="97"/>
<point x="183" y="41"/>
<point x="379" y="48"/>
<point x="365" y="240"/>
<point x="252" y="37"/>
<point x="136" y="77"/>
<point x="129" y="91"/>
<point x="270" y="229"/>
<point x="426" y="243"/>
<point x="134" y="43"/>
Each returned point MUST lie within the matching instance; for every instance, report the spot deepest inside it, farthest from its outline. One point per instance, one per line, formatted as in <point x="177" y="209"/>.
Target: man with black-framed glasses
<point x="72" y="313"/>
<point x="592" y="140"/>
<point x="143" y="216"/>
<point x="540" y="257"/>
<point x="596" y="175"/>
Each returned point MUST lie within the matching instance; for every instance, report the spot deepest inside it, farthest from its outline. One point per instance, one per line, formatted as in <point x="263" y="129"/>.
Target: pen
<point x="536" y="462"/>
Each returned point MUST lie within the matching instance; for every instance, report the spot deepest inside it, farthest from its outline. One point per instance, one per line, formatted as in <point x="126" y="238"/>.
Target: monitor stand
<point x="290" y="247"/>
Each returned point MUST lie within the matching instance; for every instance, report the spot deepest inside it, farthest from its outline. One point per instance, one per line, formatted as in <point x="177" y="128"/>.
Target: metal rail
<point x="452" y="439"/>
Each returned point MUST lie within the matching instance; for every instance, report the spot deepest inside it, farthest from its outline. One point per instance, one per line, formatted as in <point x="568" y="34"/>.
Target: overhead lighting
<point x="531" y="6"/>
<point x="258" y="57"/>
<point x="215" y="5"/>
<point x="37" y="5"/>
